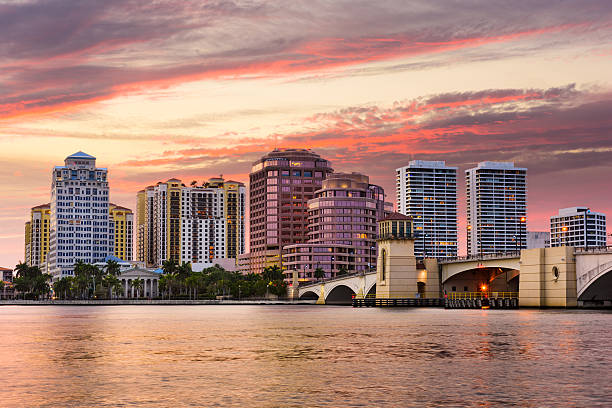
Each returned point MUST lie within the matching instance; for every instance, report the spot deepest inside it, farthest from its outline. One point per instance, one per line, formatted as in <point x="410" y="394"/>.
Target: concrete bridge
<point x="340" y="290"/>
<point x="562" y="276"/>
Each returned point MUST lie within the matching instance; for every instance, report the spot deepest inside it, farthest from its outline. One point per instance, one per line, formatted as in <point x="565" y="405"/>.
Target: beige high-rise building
<point x="121" y="221"/>
<point x="195" y="223"/>
<point x="37" y="235"/>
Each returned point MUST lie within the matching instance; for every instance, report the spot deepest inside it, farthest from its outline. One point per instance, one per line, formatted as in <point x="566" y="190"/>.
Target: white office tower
<point x="79" y="215"/>
<point x="496" y="208"/>
<point x="427" y="191"/>
<point x="578" y="227"/>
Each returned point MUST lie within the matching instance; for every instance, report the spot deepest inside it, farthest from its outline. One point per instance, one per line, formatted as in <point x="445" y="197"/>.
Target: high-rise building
<point x="145" y="237"/>
<point x="427" y="192"/>
<point x="496" y="208"/>
<point x="281" y="183"/>
<point x="37" y="235"/>
<point x="578" y="227"/>
<point x="80" y="227"/>
<point x="342" y="228"/>
<point x="538" y="239"/>
<point x="196" y="224"/>
<point x="121" y="221"/>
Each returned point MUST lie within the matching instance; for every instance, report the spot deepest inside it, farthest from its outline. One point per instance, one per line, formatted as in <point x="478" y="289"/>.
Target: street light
<point x="522" y="229"/>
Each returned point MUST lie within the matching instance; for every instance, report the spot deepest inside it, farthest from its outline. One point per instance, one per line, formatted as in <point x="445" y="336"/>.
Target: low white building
<point x="578" y="227"/>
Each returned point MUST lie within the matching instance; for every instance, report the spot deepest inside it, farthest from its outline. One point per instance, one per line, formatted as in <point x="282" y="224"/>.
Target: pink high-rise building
<point x="342" y="228"/>
<point x="281" y="183"/>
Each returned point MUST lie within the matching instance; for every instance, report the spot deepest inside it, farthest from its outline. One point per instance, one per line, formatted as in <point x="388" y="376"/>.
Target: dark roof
<point x="395" y="216"/>
<point x="38" y="207"/>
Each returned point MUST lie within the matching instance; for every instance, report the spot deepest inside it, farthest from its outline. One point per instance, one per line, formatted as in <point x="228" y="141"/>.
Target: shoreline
<point x="150" y="302"/>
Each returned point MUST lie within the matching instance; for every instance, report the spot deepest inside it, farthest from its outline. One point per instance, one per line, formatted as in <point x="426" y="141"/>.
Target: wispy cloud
<point x="88" y="51"/>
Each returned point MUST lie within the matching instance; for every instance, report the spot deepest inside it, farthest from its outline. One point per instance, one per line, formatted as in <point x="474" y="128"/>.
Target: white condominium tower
<point x="496" y="208"/>
<point x="80" y="227"/>
<point x="196" y="223"/>
<point x="578" y="227"/>
<point x="427" y="192"/>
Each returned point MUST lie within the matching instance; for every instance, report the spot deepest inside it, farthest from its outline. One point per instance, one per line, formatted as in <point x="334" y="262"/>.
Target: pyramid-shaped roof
<point x="395" y="216"/>
<point x="80" y="155"/>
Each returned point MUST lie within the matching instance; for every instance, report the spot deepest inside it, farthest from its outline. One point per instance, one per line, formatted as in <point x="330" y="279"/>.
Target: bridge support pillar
<point x="548" y="277"/>
<point x="431" y="278"/>
<point x="321" y="300"/>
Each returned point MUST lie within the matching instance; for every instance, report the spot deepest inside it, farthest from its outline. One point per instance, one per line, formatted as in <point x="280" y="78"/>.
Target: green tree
<point x="112" y="268"/>
<point x="342" y="271"/>
<point x="319" y="274"/>
<point x="62" y="287"/>
<point x="137" y="284"/>
<point x="111" y="282"/>
<point x="169" y="266"/>
<point x="272" y="273"/>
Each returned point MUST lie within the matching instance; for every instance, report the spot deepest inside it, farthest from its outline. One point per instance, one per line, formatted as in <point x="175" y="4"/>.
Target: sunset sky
<point x="194" y="89"/>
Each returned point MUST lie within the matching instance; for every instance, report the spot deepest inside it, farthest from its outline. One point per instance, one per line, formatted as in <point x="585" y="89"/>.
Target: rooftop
<point x="395" y="216"/>
<point x="81" y="155"/>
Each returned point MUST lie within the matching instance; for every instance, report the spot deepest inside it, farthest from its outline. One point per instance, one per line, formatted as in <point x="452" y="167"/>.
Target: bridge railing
<point x="482" y="295"/>
<point x="339" y="277"/>
<point x="594" y="250"/>
<point x="586" y="278"/>
<point x="496" y="255"/>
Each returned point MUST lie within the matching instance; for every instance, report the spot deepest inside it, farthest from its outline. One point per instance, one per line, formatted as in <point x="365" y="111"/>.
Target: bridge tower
<point x="396" y="273"/>
<point x="548" y="277"/>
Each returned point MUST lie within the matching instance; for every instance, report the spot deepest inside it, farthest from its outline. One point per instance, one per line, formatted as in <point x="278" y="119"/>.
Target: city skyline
<point x="369" y="87"/>
<point x="462" y="218"/>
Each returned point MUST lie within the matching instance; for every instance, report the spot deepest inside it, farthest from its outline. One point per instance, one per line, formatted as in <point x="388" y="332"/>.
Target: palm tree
<point x="112" y="268"/>
<point x="319" y="273"/>
<point x="111" y="281"/>
<point x="62" y="286"/>
<point x="169" y="266"/>
<point x="137" y="285"/>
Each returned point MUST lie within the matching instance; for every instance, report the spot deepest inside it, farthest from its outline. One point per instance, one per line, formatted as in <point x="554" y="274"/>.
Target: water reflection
<point x="302" y="356"/>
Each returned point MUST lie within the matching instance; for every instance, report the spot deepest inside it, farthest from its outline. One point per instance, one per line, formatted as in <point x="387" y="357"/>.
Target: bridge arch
<point x="340" y="295"/>
<point x="371" y="288"/>
<point x="599" y="288"/>
<point x="309" y="295"/>
<point x="495" y="278"/>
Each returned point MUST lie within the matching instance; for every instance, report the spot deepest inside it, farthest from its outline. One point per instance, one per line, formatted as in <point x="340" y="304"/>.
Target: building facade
<point x="281" y="184"/>
<point x="144" y="226"/>
<point x="427" y="192"/>
<point x="80" y="226"/>
<point x="496" y="208"/>
<point x="121" y="224"/>
<point x="538" y="239"/>
<point x="578" y="227"/>
<point x="195" y="223"/>
<point x="342" y="228"/>
<point x="37" y="235"/>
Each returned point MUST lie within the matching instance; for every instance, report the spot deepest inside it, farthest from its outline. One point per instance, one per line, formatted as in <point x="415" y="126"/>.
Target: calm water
<point x="268" y="356"/>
